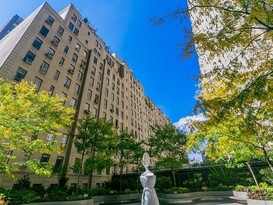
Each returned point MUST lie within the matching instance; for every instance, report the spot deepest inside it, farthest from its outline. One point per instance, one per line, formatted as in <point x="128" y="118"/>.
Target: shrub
<point x="21" y="197"/>
<point x="56" y="194"/>
<point x="263" y="192"/>
<point x="163" y="183"/>
<point x="22" y="184"/>
<point x="204" y="188"/>
<point x="100" y="191"/>
<point x="39" y="189"/>
<point x="241" y="188"/>
<point x="178" y="190"/>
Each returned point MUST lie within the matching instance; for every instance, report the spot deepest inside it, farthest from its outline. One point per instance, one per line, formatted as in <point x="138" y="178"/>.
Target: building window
<point x="69" y="39"/>
<point x="49" y="20"/>
<point x="89" y="94"/>
<point x="98" y="87"/>
<point x="74" y="17"/>
<point x="44" y="68"/>
<point x="70" y="26"/>
<point x="87" y="108"/>
<point x="77" y="47"/>
<point x="56" y="75"/>
<point x="100" y="66"/>
<point x="105" y="103"/>
<point x="91" y="83"/>
<point x="96" y="99"/>
<point x="75" y="57"/>
<point x="99" y="76"/>
<point x="95" y="60"/>
<point x="76" y="167"/>
<point x="51" y="90"/>
<point x="94" y="114"/>
<point x="76" y="31"/>
<point x="85" y="54"/>
<point x="64" y="96"/>
<point x="79" y="23"/>
<point x="77" y="89"/>
<point x="108" y="71"/>
<point x="60" y="31"/>
<point x="37" y="43"/>
<point x="44" y="31"/>
<point x="20" y="74"/>
<point x="67" y="82"/>
<point x="106" y="92"/>
<point x="113" y="86"/>
<point x="80" y="75"/>
<point x="58" y="164"/>
<point x="73" y="102"/>
<point x="50" y="53"/>
<point x="55" y="41"/>
<point x="29" y="57"/>
<point x="50" y="138"/>
<point x="112" y="96"/>
<point x="61" y="61"/>
<point x="83" y="64"/>
<point x="66" y="48"/>
<point x="107" y="81"/>
<point x="93" y="70"/>
<point x="45" y="158"/>
<point x="38" y="82"/>
<point x="104" y="115"/>
<point x="114" y="77"/>
<point x="64" y="140"/>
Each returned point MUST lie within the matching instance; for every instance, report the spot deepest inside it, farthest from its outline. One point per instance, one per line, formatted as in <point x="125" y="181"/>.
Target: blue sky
<point x="152" y="52"/>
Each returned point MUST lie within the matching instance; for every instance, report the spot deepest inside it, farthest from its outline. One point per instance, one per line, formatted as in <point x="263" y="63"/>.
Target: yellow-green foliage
<point x="25" y="114"/>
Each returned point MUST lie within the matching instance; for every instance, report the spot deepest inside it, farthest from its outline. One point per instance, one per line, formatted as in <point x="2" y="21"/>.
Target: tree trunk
<point x="267" y="158"/>
<point x="79" y="175"/>
<point x="174" y="179"/>
<point x="90" y="179"/>
<point x="252" y="173"/>
<point x="120" y="183"/>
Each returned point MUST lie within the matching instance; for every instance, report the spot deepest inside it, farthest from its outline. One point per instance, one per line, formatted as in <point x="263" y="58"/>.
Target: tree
<point x="236" y="89"/>
<point x="168" y="146"/>
<point x="94" y="139"/>
<point x="24" y="115"/>
<point x="128" y="152"/>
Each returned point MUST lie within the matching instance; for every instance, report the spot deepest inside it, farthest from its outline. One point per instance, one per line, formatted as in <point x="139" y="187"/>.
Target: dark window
<point x="51" y="90"/>
<point x="108" y="71"/>
<point x="76" y="31"/>
<point x="45" y="158"/>
<point x="37" y="43"/>
<point x="44" y="67"/>
<point x="75" y="57"/>
<point x="29" y="57"/>
<point x="79" y="23"/>
<point x="58" y="164"/>
<point x="50" y="53"/>
<point x="49" y="20"/>
<point x="44" y="31"/>
<point x="20" y="74"/>
<point x="38" y="82"/>
<point x="70" y="26"/>
<point x="55" y="41"/>
<point x="61" y="61"/>
<point x="95" y="60"/>
<point x="67" y="82"/>
<point x="60" y="31"/>
<point x="66" y="49"/>
<point x="56" y="75"/>
<point x="74" y="17"/>
<point x="69" y="39"/>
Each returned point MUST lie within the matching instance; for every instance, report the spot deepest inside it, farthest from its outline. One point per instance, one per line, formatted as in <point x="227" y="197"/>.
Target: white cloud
<point x="185" y="123"/>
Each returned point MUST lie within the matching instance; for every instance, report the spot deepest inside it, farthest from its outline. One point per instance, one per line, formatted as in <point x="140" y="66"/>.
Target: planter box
<point x="259" y="202"/>
<point x="240" y="194"/>
<point x="117" y="198"/>
<point x="79" y="202"/>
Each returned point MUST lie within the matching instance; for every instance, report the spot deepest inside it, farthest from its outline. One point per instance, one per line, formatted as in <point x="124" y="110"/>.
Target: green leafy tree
<point x="95" y="140"/>
<point x="24" y="115"/>
<point x="236" y="90"/>
<point x="168" y="147"/>
<point x="128" y="152"/>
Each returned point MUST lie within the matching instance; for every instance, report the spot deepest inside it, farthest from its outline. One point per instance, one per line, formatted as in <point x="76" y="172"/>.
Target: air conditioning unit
<point x="93" y="72"/>
<point x="112" y="110"/>
<point x="96" y="100"/>
<point x="87" y="111"/>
